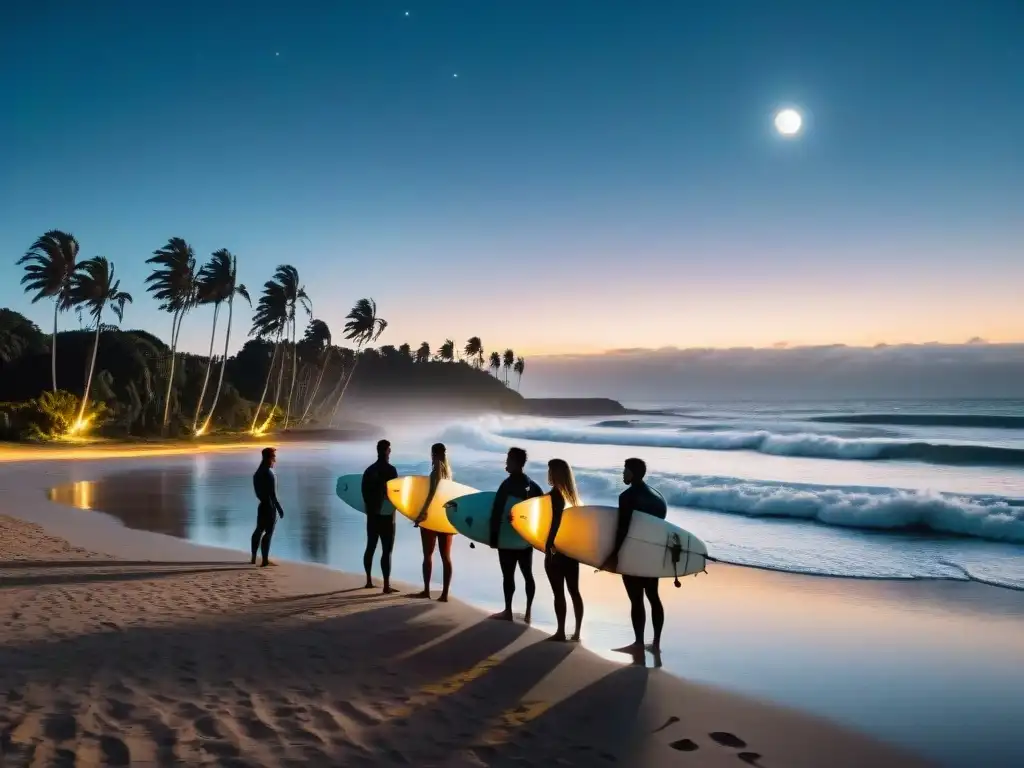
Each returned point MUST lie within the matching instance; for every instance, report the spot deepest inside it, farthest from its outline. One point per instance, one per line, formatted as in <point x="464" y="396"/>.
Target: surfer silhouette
<point x="563" y="572"/>
<point x="517" y="486"/>
<point x="380" y="524"/>
<point x="265" y="484"/>
<point x="638" y="497"/>
<point x="440" y="470"/>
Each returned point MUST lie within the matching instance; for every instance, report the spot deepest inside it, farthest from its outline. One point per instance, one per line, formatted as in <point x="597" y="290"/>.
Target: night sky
<point x="598" y="174"/>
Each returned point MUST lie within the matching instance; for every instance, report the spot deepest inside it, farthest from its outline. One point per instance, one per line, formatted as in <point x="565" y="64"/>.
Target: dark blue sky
<point x="600" y="174"/>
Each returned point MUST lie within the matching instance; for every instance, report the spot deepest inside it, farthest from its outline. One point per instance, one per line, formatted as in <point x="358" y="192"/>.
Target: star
<point x="276" y="53"/>
<point x="455" y="75"/>
<point x="406" y="13"/>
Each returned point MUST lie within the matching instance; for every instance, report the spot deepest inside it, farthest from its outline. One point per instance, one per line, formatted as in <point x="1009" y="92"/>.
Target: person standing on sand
<point x="639" y="497"/>
<point x="520" y="487"/>
<point x="440" y="470"/>
<point x="265" y="484"/>
<point x="379" y="523"/>
<point x="563" y="572"/>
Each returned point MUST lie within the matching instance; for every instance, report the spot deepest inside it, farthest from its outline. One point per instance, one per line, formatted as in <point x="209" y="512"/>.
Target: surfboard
<point x="653" y="547"/>
<point x="471" y="516"/>
<point x="409" y="493"/>
<point x="350" y="490"/>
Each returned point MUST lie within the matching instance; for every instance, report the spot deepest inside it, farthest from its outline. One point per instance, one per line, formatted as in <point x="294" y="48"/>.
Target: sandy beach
<point x="122" y="647"/>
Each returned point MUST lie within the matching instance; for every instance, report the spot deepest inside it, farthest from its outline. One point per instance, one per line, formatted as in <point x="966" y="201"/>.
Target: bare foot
<point x="267" y="564"/>
<point x="389" y="590"/>
<point x="575" y="638"/>
<point x="631" y="648"/>
<point x="558" y="637"/>
<point x="443" y="599"/>
<point x="527" y="618"/>
<point x="653" y="647"/>
<point x="422" y="595"/>
<point x="502" y="616"/>
<point x="368" y="585"/>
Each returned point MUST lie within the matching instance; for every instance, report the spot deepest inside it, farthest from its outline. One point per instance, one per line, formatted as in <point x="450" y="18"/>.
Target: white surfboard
<point x="409" y="493"/>
<point x="653" y="547"/>
<point x="350" y="490"/>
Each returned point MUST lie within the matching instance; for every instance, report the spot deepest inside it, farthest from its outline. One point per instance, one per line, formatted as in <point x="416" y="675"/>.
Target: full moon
<point x="788" y="122"/>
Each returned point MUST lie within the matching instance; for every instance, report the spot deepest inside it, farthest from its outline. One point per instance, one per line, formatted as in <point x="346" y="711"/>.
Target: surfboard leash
<point x="675" y="562"/>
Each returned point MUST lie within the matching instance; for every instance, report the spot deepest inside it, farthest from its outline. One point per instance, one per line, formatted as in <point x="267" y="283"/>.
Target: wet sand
<point x="131" y="647"/>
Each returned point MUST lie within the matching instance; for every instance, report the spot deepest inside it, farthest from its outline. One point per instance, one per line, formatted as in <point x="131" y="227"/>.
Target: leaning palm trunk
<point x="295" y="368"/>
<point x="53" y="344"/>
<point x="266" y="387"/>
<point x="223" y="362"/>
<point x="280" y="373"/>
<point x="348" y="380"/>
<point x="88" y="378"/>
<point x="209" y="365"/>
<point x="316" y="386"/>
<point x="175" y="327"/>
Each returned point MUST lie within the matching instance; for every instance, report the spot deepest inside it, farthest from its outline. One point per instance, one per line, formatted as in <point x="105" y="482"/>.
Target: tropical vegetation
<point x="109" y="381"/>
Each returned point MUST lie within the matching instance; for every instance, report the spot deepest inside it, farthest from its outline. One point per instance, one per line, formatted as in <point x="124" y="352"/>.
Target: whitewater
<point x="930" y="494"/>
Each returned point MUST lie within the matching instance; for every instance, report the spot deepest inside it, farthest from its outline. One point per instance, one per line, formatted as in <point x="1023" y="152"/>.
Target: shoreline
<point x="783" y="736"/>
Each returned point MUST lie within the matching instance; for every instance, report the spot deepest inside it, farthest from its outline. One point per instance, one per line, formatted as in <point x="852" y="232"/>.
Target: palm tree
<point x="495" y="363"/>
<point x="173" y="283"/>
<point x="363" y="326"/>
<point x="295" y="295"/>
<point x="423" y="353"/>
<point x="269" y="322"/>
<point x="49" y="264"/>
<point x="474" y="350"/>
<point x="519" y="368"/>
<point x="218" y="282"/>
<point x="405" y="351"/>
<point x="318" y="335"/>
<point x="447" y="352"/>
<point x="93" y="286"/>
<point x="508" y="360"/>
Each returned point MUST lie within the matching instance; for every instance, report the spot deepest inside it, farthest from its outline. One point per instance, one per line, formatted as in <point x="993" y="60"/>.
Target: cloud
<point x="930" y="370"/>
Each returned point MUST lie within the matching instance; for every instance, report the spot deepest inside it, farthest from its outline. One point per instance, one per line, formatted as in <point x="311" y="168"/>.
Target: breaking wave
<point x="981" y="421"/>
<point x="802" y="444"/>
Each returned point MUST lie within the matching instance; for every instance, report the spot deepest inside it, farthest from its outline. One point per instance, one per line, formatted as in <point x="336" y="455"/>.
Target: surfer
<point x="563" y="572"/>
<point x="440" y="470"/>
<point x="638" y="497"/>
<point x="517" y="486"/>
<point x="380" y="524"/>
<point x="265" y="484"/>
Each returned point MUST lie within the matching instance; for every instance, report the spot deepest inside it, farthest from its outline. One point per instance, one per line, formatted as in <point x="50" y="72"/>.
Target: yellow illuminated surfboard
<point x="653" y="547"/>
<point x="409" y="493"/>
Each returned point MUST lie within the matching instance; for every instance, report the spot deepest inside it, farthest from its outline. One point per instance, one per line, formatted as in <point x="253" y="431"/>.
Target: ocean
<point x="914" y="509"/>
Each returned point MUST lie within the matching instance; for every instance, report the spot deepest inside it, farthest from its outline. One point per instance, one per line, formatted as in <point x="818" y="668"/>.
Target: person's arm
<point x="273" y="495"/>
<point x="430" y="497"/>
<point x="497" y="510"/>
<point x="392" y="474"/>
<point x="621" y="530"/>
<point x="557" y="507"/>
<point x="367" y="489"/>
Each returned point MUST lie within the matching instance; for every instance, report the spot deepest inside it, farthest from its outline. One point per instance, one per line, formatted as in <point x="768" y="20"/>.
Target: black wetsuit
<point x="265" y="484"/>
<point x="640" y="497"/>
<point x="563" y="572"/>
<point x="378" y="526"/>
<point x="519" y="486"/>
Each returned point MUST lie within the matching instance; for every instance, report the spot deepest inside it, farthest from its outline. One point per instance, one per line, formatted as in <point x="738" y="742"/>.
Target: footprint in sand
<point x="115" y="751"/>
<point x="721" y="738"/>
<point x="732" y="741"/>
<point x="207" y="726"/>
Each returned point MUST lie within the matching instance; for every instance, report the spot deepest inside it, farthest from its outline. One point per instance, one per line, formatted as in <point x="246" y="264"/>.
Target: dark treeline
<point x="103" y="380"/>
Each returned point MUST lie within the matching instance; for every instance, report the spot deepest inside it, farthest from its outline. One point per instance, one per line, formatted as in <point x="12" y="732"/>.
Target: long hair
<point x="562" y="479"/>
<point x="439" y="465"/>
